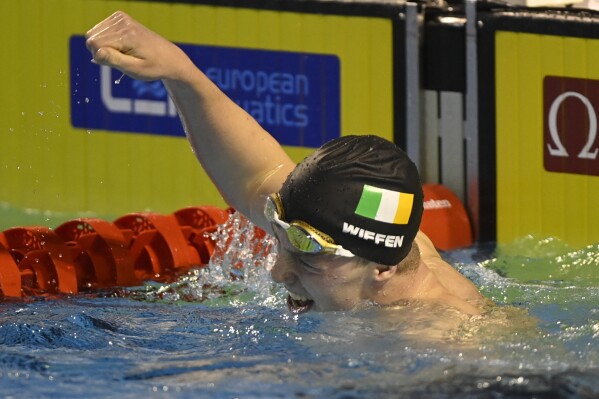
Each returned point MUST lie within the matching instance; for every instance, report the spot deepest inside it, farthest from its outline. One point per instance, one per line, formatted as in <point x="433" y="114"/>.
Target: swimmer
<point x="346" y="218"/>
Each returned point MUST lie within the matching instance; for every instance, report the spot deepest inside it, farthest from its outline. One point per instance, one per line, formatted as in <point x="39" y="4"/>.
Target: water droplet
<point x="86" y="99"/>
<point x="118" y="81"/>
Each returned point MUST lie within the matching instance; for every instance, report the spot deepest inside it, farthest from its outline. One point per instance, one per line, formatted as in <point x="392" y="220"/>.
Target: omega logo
<point x="560" y="151"/>
<point x="570" y="131"/>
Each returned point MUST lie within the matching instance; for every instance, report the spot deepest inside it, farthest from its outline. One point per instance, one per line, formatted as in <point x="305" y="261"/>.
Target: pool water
<point x="207" y="336"/>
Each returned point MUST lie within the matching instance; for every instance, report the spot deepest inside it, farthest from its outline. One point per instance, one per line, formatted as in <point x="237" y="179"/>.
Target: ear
<point x="383" y="273"/>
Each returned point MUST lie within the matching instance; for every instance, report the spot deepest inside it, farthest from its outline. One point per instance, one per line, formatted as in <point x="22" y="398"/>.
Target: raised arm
<point x="243" y="160"/>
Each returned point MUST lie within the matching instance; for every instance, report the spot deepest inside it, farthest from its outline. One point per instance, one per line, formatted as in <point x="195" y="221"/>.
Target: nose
<point x="282" y="272"/>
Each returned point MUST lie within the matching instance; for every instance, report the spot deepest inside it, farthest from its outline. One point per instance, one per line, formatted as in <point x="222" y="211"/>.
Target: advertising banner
<point x="547" y="100"/>
<point x="295" y="96"/>
<point x="80" y="140"/>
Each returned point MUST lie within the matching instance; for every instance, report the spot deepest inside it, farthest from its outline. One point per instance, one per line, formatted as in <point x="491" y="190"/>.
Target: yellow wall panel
<point x="531" y="199"/>
<point x="48" y="165"/>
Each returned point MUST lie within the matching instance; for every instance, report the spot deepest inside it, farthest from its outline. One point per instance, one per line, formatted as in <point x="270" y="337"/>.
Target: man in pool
<point x="346" y="218"/>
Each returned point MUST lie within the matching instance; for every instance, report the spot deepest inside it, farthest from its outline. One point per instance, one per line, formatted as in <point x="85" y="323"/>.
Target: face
<point x="320" y="282"/>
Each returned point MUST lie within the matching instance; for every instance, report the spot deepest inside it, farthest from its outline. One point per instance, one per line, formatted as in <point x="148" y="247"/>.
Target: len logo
<point x="570" y="139"/>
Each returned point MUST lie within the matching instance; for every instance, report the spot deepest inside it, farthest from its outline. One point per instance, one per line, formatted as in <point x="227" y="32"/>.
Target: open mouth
<point x="298" y="304"/>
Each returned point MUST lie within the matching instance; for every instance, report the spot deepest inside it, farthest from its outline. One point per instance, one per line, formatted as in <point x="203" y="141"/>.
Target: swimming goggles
<point x="301" y="235"/>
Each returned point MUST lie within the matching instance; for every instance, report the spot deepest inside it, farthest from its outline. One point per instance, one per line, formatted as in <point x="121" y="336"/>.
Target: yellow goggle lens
<point x="301" y="235"/>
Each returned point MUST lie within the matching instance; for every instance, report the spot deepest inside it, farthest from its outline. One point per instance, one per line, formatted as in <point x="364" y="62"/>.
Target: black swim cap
<point x="363" y="191"/>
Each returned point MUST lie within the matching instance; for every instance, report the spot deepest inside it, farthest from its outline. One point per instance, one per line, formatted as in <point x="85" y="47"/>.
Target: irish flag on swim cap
<point x="385" y="205"/>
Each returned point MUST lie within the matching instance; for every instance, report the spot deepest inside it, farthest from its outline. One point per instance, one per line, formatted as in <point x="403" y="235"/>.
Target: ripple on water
<point x="206" y="336"/>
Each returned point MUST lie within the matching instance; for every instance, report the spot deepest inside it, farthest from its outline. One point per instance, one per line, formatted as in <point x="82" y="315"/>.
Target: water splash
<point x="532" y="258"/>
<point x="214" y="348"/>
<point x="238" y="271"/>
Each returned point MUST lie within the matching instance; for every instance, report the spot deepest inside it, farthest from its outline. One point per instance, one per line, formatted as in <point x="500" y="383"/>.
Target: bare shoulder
<point x="455" y="283"/>
<point x="427" y="248"/>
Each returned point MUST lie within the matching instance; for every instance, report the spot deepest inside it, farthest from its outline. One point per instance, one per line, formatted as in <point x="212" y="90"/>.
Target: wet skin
<point x="325" y="282"/>
<point x="331" y="282"/>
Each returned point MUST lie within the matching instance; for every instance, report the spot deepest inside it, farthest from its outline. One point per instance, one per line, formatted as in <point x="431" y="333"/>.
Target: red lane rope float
<point x="159" y="248"/>
<point x="102" y="250"/>
<point x="44" y="259"/>
<point x="84" y="255"/>
<point x="10" y="275"/>
<point x="197" y="223"/>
